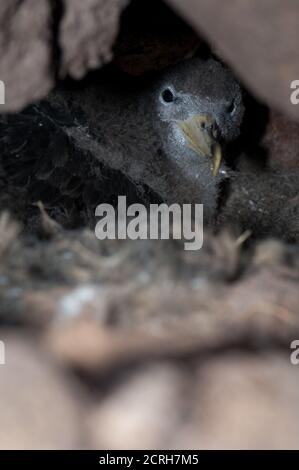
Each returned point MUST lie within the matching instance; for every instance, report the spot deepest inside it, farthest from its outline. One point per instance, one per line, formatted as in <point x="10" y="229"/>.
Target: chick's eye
<point x="167" y="96"/>
<point x="231" y="108"/>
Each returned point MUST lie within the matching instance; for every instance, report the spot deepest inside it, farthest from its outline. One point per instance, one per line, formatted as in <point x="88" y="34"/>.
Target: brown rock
<point x="268" y="299"/>
<point x="25" y="51"/>
<point x="258" y="39"/>
<point x="37" y="408"/>
<point x="232" y="402"/>
<point x="281" y="141"/>
<point x="87" y="34"/>
<point x="38" y="40"/>
<point x="142" y="413"/>
<point x="245" y="402"/>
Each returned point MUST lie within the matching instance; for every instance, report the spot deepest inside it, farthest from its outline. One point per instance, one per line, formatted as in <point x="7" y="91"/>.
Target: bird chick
<point x="199" y="110"/>
<point x="200" y="104"/>
<point x="167" y="136"/>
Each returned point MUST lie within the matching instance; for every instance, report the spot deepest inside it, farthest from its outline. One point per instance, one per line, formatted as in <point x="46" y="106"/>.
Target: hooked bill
<point x="201" y="136"/>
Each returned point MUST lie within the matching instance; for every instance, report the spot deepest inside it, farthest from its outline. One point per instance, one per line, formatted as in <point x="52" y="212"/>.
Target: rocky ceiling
<point x="70" y="37"/>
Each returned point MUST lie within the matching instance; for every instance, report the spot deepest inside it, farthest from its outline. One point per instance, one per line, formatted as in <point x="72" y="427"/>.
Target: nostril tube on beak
<point x="215" y="131"/>
<point x="211" y="128"/>
<point x="201" y="131"/>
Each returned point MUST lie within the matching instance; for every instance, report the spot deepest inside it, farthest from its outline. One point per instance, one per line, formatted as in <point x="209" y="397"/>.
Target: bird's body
<point x="156" y="141"/>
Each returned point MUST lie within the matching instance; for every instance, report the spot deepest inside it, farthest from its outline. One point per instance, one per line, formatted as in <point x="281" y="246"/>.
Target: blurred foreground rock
<point x="143" y="345"/>
<point x="37" y="407"/>
<point x="225" y="402"/>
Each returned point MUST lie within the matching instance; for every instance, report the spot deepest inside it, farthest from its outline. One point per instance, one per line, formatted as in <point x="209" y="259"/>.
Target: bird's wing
<point x="50" y="156"/>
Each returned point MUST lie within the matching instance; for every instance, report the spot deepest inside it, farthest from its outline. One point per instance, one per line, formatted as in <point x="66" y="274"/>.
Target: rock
<point x="87" y="33"/>
<point x="37" y="408"/>
<point x="26" y="66"/>
<point x="259" y="40"/>
<point x="70" y="40"/>
<point x="226" y="402"/>
<point x="281" y="141"/>
<point x="244" y="402"/>
<point x="142" y="413"/>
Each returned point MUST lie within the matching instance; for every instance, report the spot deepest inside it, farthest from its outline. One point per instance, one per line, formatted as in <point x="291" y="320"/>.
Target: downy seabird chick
<point x="169" y="136"/>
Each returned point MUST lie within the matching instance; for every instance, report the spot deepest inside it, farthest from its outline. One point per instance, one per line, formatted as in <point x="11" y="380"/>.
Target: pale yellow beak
<point x="202" y="139"/>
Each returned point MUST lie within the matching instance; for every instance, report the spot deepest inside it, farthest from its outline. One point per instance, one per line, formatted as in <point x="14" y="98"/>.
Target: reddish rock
<point x="87" y="33"/>
<point x="258" y="39"/>
<point x="282" y="142"/>
<point x="37" y="408"/>
<point x="25" y="51"/>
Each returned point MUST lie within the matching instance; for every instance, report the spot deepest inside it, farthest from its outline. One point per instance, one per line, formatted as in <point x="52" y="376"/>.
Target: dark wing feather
<point x="41" y="162"/>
